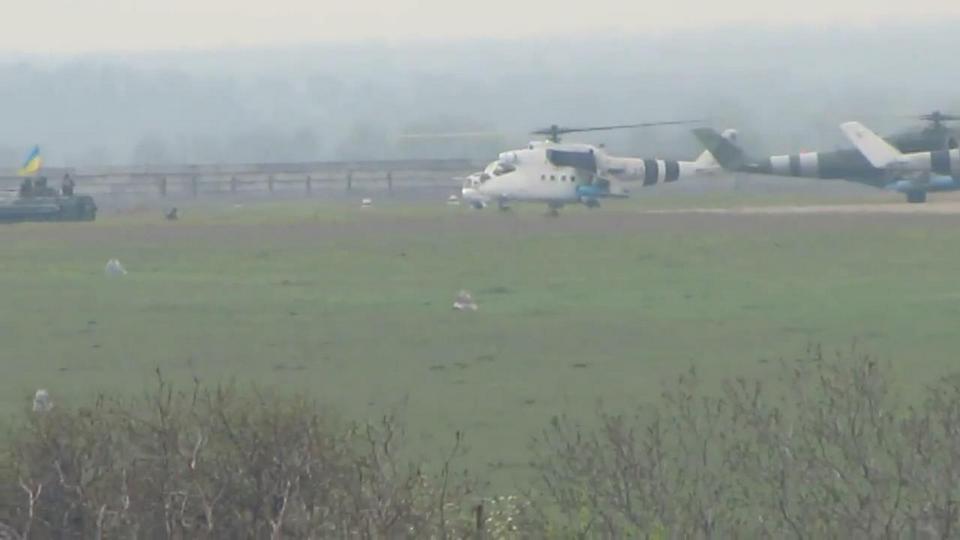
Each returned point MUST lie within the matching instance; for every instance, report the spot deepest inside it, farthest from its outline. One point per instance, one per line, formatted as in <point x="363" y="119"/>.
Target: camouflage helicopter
<point x="936" y="135"/>
<point x="844" y="164"/>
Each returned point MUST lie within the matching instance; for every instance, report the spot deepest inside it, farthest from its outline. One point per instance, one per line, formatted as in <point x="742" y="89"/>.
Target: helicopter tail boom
<point x="723" y="149"/>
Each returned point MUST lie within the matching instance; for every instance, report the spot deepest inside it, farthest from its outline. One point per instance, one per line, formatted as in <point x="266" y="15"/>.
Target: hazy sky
<point x="69" y="26"/>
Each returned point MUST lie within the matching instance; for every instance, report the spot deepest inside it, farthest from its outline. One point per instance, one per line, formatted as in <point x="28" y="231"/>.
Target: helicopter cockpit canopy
<point x="498" y="168"/>
<point x="508" y="157"/>
<point x="494" y="169"/>
<point x="476" y="179"/>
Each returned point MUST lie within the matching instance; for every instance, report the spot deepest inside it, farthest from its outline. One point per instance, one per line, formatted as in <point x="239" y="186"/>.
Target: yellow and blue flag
<point x="32" y="163"/>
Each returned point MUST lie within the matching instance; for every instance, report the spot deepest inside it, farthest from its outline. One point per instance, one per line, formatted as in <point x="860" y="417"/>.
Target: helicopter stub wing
<point x="603" y="188"/>
<point x="615" y="188"/>
<point x="586" y="160"/>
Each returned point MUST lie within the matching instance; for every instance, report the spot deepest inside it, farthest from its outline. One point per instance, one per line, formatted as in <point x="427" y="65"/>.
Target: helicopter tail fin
<point x="722" y="147"/>
<point x="706" y="161"/>
<point x="878" y="152"/>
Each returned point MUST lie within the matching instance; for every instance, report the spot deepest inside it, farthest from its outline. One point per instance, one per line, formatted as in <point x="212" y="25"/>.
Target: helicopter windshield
<point x="503" y="168"/>
<point x="476" y="179"/>
<point x="498" y="168"/>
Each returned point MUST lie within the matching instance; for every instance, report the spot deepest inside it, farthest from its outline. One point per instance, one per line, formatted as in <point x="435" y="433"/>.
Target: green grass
<point x="353" y="307"/>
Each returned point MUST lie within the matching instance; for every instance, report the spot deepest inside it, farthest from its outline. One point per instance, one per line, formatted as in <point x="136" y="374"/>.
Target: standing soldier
<point x="67" y="187"/>
<point x="26" y="188"/>
<point x="40" y="188"/>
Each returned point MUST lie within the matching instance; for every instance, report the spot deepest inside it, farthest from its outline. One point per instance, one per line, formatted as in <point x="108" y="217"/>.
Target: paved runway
<point x="930" y="208"/>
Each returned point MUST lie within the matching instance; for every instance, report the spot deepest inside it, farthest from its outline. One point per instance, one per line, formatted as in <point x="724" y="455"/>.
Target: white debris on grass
<point x="114" y="268"/>
<point x="41" y="401"/>
<point x="366" y="203"/>
<point x="453" y="200"/>
<point x="464" y="302"/>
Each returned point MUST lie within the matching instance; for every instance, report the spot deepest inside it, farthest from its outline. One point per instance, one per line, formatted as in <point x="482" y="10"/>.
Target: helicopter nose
<point x="473" y="197"/>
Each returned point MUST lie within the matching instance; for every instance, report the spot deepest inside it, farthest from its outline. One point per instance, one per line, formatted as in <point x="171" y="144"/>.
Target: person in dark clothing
<point x="26" y="188"/>
<point x="40" y="188"/>
<point x="67" y="187"/>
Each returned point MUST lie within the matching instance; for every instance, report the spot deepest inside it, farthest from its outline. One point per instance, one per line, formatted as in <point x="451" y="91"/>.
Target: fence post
<point x="162" y="186"/>
<point x="307" y="185"/>
<point x="270" y="183"/>
<point x="194" y="186"/>
<point x="233" y="185"/>
<point x="349" y="180"/>
<point x="480" y="521"/>
<point x="390" y="181"/>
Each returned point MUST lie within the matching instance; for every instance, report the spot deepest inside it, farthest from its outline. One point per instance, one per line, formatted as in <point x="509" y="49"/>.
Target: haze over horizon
<point x="70" y="27"/>
<point x="785" y="88"/>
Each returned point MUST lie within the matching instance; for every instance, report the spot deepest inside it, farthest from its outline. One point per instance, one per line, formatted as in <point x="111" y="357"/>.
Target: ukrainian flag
<point x="32" y="163"/>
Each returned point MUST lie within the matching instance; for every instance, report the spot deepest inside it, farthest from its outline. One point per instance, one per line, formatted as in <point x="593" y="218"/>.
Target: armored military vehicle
<point x="37" y="202"/>
<point x="55" y="208"/>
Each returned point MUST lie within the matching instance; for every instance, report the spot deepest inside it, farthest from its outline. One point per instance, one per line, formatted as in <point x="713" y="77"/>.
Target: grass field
<point x="354" y="306"/>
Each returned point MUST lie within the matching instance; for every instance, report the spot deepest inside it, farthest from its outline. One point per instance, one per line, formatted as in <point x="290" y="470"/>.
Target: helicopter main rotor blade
<point x="451" y="135"/>
<point x="935" y="116"/>
<point x="940" y="117"/>
<point x="558" y="130"/>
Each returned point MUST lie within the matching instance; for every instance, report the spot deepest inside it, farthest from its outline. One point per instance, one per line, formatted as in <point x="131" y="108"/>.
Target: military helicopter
<point x="559" y="174"/>
<point x="908" y="172"/>
<point x="934" y="136"/>
<point x="844" y="164"/>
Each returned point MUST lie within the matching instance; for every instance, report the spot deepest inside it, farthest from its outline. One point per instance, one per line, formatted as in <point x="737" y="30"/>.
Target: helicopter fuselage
<point x="561" y="174"/>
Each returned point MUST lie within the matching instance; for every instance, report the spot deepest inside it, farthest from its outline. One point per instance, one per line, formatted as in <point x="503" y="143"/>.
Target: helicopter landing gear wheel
<point x="503" y="206"/>
<point x="553" y="210"/>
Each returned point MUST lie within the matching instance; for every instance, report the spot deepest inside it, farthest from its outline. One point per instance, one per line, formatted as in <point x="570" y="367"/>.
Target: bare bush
<point x="828" y="452"/>
<point x="227" y="464"/>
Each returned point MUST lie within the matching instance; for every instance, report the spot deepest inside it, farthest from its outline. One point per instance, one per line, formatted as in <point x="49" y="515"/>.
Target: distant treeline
<point x="784" y="88"/>
<point x="826" y="451"/>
